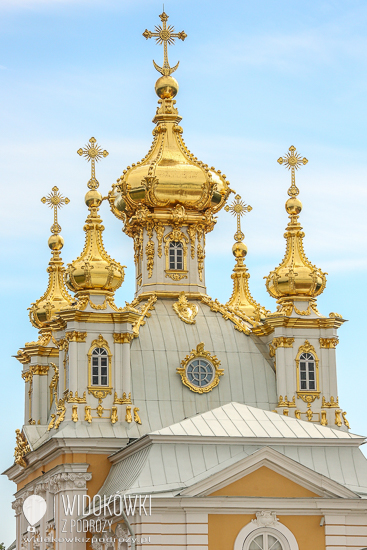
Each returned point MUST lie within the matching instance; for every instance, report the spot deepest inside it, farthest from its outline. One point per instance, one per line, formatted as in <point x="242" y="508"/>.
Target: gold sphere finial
<point x="166" y="87"/>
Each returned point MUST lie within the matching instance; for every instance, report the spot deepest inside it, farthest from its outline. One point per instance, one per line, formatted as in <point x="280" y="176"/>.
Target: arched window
<point x="99" y="367"/>
<point x="265" y="541"/>
<point x="175" y="255"/>
<point x="307" y="372"/>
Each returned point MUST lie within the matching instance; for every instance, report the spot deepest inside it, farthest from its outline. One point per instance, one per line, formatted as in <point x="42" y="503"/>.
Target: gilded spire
<point x="94" y="272"/>
<point x="56" y="296"/>
<point x="241" y="299"/>
<point x="165" y="35"/>
<point x="296" y="279"/>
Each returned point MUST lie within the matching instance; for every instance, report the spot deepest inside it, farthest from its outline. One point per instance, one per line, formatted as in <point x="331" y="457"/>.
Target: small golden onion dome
<point x="296" y="278"/>
<point x="169" y="174"/>
<point x="56" y="296"/>
<point x="94" y="269"/>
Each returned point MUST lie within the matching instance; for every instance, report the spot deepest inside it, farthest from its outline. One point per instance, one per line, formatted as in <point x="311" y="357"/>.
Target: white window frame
<point x="307" y="361"/>
<point x="100" y="366"/>
<point x="175" y="246"/>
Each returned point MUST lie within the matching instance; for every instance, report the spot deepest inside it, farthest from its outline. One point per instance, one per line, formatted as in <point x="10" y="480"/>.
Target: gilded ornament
<point x="185" y="310"/>
<point x="145" y="312"/>
<point x="214" y="305"/>
<point x="88" y="414"/>
<point x="333" y="403"/>
<point x="76" y="336"/>
<point x="52" y="422"/>
<point x="60" y="412"/>
<point x="128" y="417"/>
<point x="159" y="229"/>
<point x="297" y="414"/>
<point x="123" y="337"/>
<point x="328" y="343"/>
<point x="285" y="403"/>
<point x="191" y="230"/>
<point x="296" y="277"/>
<point x="54" y="383"/>
<point x="280" y="342"/>
<point x="74" y="414"/>
<point x="338" y="419"/>
<point x="56" y="296"/>
<point x="149" y="252"/>
<point x="286" y="412"/>
<point x="136" y="415"/>
<point x="22" y="448"/>
<point x="323" y="420"/>
<point x="114" y="417"/>
<point x="75" y="398"/>
<point x="344" y="415"/>
<point x="335" y="315"/>
<point x="122" y="400"/>
<point x="309" y="414"/>
<point x="99" y="410"/>
<point x="199" y="352"/>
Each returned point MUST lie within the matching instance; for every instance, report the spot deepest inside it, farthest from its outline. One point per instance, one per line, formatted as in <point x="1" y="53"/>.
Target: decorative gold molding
<point x="136" y="415"/>
<point x="308" y="396"/>
<point x="338" y="419"/>
<point x="76" y="399"/>
<point x="123" y="337"/>
<point x="124" y="400"/>
<point x="176" y="235"/>
<point x="328" y="343"/>
<point x="280" y="342"/>
<point x="199" y="352"/>
<point x="145" y="312"/>
<point x="216" y="306"/>
<point x="149" y="250"/>
<point x="176" y="275"/>
<point x="100" y="392"/>
<point x="185" y="310"/>
<point x="330" y="404"/>
<point x="54" y="383"/>
<point x="60" y="412"/>
<point x="52" y="422"/>
<point x="40" y="370"/>
<point x="285" y="403"/>
<point x="22" y="448"/>
<point x="76" y="336"/>
<point x="323" y="420"/>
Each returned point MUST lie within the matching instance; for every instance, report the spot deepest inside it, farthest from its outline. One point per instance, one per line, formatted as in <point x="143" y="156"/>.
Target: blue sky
<point x="255" y="78"/>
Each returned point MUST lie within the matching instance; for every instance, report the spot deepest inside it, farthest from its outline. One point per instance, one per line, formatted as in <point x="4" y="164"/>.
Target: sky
<point x="255" y="78"/>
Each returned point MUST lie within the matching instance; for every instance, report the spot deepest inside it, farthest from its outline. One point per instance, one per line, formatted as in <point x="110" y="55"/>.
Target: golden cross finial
<point x="165" y="35"/>
<point x="55" y="200"/>
<point x="92" y="152"/>
<point x="293" y="161"/>
<point x="238" y="208"/>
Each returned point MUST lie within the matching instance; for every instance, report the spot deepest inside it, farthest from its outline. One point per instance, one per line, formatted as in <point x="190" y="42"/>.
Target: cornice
<point x="114" y="317"/>
<point x="270" y="323"/>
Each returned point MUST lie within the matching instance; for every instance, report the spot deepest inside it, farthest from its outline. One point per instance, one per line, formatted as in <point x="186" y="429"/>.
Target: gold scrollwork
<point x="185" y="310"/>
<point x="328" y="343"/>
<point x="214" y="305"/>
<point x="344" y="415"/>
<point x="199" y="352"/>
<point x="338" y="418"/>
<point x="114" y="417"/>
<point x="60" y="412"/>
<point x="22" y="448"/>
<point x="136" y="415"/>
<point x="128" y="416"/>
<point x="323" y="420"/>
<point x="76" y="336"/>
<point x="74" y="414"/>
<point x="145" y="312"/>
<point x="88" y="414"/>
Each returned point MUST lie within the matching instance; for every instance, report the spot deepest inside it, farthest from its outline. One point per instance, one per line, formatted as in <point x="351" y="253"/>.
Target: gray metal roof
<point x="165" y="340"/>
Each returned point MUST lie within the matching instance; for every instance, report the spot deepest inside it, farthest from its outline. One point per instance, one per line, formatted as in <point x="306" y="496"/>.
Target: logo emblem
<point x="34" y="508"/>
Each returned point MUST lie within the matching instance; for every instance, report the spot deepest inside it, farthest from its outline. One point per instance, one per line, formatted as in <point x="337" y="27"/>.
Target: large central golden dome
<point x="169" y="174"/>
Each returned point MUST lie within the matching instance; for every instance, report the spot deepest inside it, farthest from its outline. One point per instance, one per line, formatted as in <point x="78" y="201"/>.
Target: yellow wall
<point x="99" y="466"/>
<point x="224" y="528"/>
<point x="265" y="483"/>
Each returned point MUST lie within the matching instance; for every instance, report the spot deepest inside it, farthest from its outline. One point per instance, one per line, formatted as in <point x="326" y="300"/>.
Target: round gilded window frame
<point x="200" y="353"/>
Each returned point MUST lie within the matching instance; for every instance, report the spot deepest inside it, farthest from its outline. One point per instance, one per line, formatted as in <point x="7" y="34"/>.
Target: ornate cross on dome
<point x="55" y="200"/>
<point x="238" y="208"/>
<point x="165" y="35"/>
<point x="292" y="161"/>
<point x="92" y="152"/>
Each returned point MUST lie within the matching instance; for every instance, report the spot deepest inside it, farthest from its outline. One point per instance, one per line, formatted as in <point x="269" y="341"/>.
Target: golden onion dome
<point x="56" y="296"/>
<point x="296" y="278"/>
<point x="94" y="270"/>
<point x="169" y="174"/>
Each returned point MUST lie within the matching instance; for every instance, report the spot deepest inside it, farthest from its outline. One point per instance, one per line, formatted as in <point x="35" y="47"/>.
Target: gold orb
<point x="293" y="206"/>
<point x="56" y="242"/>
<point x="166" y="87"/>
<point x="239" y="250"/>
<point x="93" y="198"/>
